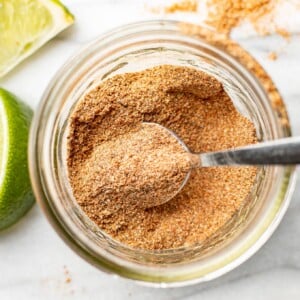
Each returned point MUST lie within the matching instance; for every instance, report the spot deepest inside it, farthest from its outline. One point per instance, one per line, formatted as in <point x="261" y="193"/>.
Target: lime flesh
<point x="16" y="196"/>
<point x="25" y="25"/>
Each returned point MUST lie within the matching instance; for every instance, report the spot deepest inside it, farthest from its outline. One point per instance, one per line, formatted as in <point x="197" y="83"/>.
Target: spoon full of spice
<point x="277" y="152"/>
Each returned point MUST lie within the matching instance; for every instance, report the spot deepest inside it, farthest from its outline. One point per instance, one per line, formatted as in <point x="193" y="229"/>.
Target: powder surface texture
<point x="194" y="105"/>
<point x="144" y="167"/>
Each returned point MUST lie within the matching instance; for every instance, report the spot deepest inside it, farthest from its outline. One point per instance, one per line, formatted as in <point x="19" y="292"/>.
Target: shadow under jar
<point x="133" y="48"/>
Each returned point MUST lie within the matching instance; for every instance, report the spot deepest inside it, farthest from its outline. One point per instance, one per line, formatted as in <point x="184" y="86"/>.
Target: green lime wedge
<point x="16" y="196"/>
<point x="25" y="25"/>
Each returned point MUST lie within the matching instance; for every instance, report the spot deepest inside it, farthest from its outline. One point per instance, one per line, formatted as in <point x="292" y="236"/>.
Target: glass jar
<point x="132" y="48"/>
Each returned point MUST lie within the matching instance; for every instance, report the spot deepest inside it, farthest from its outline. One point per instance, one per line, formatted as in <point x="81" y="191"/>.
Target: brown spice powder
<point x="68" y="278"/>
<point x="144" y="167"/>
<point x="224" y="15"/>
<point x="284" y="33"/>
<point x="272" y="55"/>
<point x="192" y="104"/>
<point x="182" y="6"/>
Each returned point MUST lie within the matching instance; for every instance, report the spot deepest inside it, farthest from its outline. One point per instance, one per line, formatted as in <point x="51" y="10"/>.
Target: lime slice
<point x="15" y="190"/>
<point x="25" y="25"/>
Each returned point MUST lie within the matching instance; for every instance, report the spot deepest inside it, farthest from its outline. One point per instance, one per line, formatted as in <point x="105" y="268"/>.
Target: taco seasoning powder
<point x="102" y="127"/>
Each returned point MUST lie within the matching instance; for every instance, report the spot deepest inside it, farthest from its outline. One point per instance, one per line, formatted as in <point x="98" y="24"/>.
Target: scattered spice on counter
<point x="182" y="6"/>
<point x="68" y="280"/>
<point x="67" y="275"/>
<point x="194" y="105"/>
<point x="272" y="56"/>
<point x="224" y="15"/>
<point x="284" y="33"/>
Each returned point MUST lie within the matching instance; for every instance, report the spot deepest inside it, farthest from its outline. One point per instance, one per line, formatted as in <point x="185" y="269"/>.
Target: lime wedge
<point x="25" y="25"/>
<point x="16" y="196"/>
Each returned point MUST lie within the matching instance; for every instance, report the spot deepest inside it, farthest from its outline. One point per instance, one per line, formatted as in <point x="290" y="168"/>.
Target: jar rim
<point x="36" y="172"/>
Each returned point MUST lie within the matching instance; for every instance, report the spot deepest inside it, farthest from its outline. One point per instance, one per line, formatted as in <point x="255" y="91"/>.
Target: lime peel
<point x="16" y="196"/>
<point x="26" y="26"/>
<point x="4" y="143"/>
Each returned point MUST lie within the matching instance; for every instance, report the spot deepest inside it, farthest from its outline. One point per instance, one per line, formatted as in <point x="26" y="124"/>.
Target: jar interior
<point x="131" y="49"/>
<point x="246" y="95"/>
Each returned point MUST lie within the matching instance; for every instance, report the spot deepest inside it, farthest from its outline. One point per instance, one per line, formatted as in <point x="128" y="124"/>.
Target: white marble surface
<point x="32" y="256"/>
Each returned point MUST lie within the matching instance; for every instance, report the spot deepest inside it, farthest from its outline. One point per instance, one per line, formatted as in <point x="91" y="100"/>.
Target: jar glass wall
<point x="132" y="48"/>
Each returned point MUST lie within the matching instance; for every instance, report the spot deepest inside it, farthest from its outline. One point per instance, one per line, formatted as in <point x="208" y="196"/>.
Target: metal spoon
<point x="277" y="152"/>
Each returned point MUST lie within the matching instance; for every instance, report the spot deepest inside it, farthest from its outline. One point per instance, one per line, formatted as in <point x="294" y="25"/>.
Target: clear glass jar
<point x="131" y="48"/>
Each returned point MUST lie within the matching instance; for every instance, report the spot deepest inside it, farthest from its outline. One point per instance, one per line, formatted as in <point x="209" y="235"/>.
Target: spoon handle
<point x="278" y="152"/>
